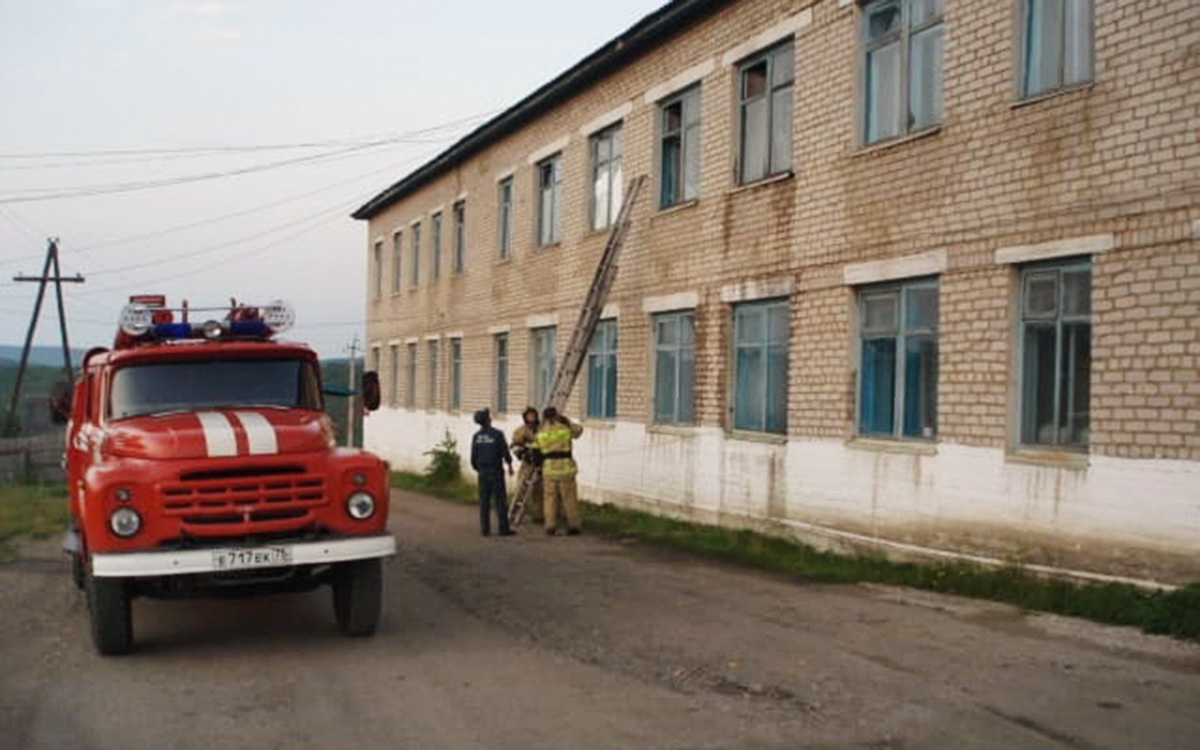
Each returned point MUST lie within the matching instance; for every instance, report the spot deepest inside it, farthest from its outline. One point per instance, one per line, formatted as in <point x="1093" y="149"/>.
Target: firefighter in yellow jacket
<point x="559" y="469"/>
<point x="524" y="445"/>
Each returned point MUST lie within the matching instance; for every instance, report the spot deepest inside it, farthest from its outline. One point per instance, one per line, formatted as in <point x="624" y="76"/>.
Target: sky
<point x="209" y="149"/>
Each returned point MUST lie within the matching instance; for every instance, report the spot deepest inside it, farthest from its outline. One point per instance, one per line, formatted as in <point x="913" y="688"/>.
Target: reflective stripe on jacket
<point x="557" y="438"/>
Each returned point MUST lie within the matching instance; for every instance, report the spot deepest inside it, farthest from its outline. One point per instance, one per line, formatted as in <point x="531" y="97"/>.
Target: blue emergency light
<point x="139" y="321"/>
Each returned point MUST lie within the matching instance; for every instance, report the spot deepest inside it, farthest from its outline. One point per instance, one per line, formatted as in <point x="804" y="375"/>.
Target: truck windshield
<point x="146" y="389"/>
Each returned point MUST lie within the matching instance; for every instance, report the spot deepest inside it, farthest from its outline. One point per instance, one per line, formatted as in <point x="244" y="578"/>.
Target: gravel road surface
<point x="582" y="642"/>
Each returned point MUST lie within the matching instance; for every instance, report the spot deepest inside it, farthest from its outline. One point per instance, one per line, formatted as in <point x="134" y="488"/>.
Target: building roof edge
<point x="660" y="25"/>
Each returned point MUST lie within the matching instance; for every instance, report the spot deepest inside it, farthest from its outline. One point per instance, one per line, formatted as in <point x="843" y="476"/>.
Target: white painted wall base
<point x="1118" y="517"/>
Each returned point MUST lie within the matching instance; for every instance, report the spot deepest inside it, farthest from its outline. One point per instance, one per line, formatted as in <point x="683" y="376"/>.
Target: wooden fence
<point x="32" y="459"/>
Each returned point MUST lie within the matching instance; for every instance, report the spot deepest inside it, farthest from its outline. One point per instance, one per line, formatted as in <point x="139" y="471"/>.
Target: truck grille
<point x="271" y="501"/>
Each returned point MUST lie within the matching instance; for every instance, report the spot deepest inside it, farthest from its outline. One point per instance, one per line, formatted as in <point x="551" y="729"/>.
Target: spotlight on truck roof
<point x="136" y="319"/>
<point x="279" y="316"/>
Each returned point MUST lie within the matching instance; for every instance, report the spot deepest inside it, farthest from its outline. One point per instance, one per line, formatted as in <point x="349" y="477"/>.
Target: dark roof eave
<point x="662" y="24"/>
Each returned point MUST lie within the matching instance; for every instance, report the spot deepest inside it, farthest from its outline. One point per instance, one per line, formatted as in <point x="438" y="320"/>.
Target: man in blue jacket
<point x="489" y="455"/>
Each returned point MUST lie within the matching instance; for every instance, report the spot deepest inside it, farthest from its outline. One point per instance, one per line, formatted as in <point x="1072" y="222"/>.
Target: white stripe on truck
<point x="218" y="434"/>
<point x="259" y="433"/>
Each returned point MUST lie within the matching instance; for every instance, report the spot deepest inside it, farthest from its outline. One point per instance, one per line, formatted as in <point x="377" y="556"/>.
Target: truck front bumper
<point x="188" y="562"/>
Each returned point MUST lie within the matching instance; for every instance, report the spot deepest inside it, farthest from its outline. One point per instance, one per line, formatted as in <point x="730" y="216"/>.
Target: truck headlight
<point x="360" y="506"/>
<point x="125" y="522"/>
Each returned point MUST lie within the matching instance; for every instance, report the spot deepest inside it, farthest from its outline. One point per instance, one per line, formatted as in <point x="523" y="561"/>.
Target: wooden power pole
<point x="351" y="391"/>
<point x="50" y="266"/>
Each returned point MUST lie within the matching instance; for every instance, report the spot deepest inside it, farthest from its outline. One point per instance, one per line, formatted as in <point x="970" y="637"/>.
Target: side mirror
<point x="61" y="397"/>
<point x="370" y="390"/>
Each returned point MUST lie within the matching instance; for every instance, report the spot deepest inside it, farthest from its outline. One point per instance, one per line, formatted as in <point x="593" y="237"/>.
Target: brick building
<point x="915" y="275"/>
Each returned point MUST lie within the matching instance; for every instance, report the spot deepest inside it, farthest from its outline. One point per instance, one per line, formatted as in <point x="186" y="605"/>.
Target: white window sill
<point x="1076" y="88"/>
<point x="677" y="430"/>
<point x="898" y="141"/>
<point x="1049" y="457"/>
<point x="897" y="445"/>
<point x="596" y="423"/>
<point x="764" y="182"/>
<point x="769" y="438"/>
<point x="676" y="208"/>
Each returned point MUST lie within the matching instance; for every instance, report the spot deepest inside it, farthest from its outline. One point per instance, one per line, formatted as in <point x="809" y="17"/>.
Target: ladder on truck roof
<point x="581" y="337"/>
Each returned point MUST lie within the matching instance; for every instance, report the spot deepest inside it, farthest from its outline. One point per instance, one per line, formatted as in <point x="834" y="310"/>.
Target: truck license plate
<point x="257" y="557"/>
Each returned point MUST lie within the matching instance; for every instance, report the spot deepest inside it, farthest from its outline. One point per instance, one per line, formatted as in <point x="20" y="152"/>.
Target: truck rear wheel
<point x="111" y="615"/>
<point x="358" y="596"/>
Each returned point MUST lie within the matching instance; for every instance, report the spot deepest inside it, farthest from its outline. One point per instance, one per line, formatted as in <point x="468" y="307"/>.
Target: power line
<point x="209" y="150"/>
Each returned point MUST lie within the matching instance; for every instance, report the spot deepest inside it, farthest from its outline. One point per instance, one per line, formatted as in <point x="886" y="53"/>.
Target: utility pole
<point x="43" y="281"/>
<point x="350" y="398"/>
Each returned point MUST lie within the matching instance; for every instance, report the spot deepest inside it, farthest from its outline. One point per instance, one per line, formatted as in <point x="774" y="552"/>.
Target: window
<point x="431" y="394"/>
<point x="1056" y="354"/>
<point x="549" y="224"/>
<point x="500" y="347"/>
<point x="416" y="254"/>
<point x="761" y="366"/>
<point x="902" y="45"/>
<point x="375" y="359"/>
<point x="435" y="240"/>
<point x="456" y="374"/>
<point x="607" y="182"/>
<point x="394" y="376"/>
<point x="505" y="217"/>
<point x="1056" y="44"/>
<point x="460" y="236"/>
<point x="765" y="104"/>
<point x="397" y="264"/>
<point x="674" y="367"/>
<point x="543" y="364"/>
<point x="411" y="391"/>
<point x="897" y="380"/>
<point x="602" y="372"/>
<point x="679" y="133"/>
<point x="377" y="262"/>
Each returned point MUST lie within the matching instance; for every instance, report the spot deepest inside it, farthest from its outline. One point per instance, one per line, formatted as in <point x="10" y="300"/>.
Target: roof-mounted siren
<point x="147" y="318"/>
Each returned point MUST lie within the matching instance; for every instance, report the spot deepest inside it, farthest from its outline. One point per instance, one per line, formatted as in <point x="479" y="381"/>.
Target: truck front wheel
<point x="111" y="615"/>
<point x="358" y="596"/>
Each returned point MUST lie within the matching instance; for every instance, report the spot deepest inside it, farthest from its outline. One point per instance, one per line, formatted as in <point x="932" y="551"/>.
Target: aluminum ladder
<point x="581" y="337"/>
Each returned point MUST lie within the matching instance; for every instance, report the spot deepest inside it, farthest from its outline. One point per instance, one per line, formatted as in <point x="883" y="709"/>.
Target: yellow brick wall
<point x="1118" y="157"/>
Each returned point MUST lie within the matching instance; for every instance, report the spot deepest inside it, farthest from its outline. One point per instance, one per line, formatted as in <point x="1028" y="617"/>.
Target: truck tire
<point x="358" y="596"/>
<point x="78" y="574"/>
<point x="111" y="615"/>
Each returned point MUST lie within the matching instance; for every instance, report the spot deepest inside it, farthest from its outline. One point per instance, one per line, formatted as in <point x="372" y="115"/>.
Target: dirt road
<point x="532" y="642"/>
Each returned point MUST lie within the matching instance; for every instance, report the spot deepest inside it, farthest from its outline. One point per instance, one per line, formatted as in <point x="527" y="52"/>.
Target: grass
<point x="30" y="511"/>
<point x="1175" y="613"/>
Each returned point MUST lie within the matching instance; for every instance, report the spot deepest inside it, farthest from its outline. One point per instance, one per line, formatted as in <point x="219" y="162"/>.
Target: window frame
<point x="410" y="395"/>
<point x="504" y="217"/>
<point x="688" y="132"/>
<point x="415" y="270"/>
<point x="1025" y="417"/>
<point x="377" y="256"/>
<point x="901" y="335"/>
<point x="784" y="303"/>
<point x="394" y="384"/>
<point x="435" y="245"/>
<point x="550" y="333"/>
<point x="765" y="55"/>
<point x="397" y="261"/>
<point x="554" y="221"/>
<point x="501" y="352"/>
<point x="902" y="37"/>
<point x="433" y="349"/>
<point x="613" y="168"/>
<point x="459" y="210"/>
<point x="598" y="348"/>
<point x="677" y="317"/>
<point x="456" y="374"/>
<point x="1023" y="49"/>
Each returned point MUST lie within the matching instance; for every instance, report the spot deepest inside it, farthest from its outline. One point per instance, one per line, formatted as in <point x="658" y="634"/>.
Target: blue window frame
<point x="897" y="381"/>
<point x="602" y="372"/>
<point x="760" y="395"/>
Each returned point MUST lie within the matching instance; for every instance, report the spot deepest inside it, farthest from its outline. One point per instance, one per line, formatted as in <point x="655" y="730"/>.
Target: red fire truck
<point x="200" y="462"/>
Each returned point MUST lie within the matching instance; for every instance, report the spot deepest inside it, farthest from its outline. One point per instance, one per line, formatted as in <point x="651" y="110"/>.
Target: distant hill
<point x="49" y="356"/>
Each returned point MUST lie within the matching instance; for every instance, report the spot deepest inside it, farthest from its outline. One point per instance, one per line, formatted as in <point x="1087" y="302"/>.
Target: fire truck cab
<point x="200" y="462"/>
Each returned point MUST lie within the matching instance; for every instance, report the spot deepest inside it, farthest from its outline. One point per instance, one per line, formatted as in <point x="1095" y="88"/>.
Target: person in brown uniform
<point x="524" y="441"/>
